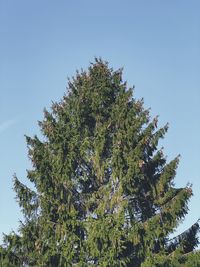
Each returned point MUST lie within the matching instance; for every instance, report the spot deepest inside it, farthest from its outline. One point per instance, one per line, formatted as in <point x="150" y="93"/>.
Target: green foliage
<point x="104" y="193"/>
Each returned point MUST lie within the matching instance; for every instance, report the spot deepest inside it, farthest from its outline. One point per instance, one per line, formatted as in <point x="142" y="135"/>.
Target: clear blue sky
<point x="44" y="42"/>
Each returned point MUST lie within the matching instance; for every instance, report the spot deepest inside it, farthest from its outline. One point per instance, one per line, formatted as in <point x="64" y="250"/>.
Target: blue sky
<point x="44" y="42"/>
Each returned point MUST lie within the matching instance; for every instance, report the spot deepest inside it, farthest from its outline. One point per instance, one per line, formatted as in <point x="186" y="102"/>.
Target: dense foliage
<point x="103" y="191"/>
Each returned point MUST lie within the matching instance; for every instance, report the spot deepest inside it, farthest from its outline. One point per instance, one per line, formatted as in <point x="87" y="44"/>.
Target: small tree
<point x="104" y="193"/>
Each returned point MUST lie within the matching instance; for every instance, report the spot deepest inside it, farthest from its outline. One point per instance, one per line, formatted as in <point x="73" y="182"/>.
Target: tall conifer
<point x="104" y="193"/>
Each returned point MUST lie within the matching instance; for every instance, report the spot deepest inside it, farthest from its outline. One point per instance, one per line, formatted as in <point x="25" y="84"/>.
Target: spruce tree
<point x="103" y="191"/>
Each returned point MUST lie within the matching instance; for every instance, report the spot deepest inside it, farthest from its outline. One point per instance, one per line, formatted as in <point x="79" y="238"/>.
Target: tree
<point x="103" y="192"/>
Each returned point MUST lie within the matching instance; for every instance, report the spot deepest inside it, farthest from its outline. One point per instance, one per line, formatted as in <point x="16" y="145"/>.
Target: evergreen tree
<point x="103" y="191"/>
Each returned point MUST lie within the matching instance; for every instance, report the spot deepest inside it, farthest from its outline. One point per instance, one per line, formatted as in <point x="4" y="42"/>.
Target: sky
<point x="45" y="42"/>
